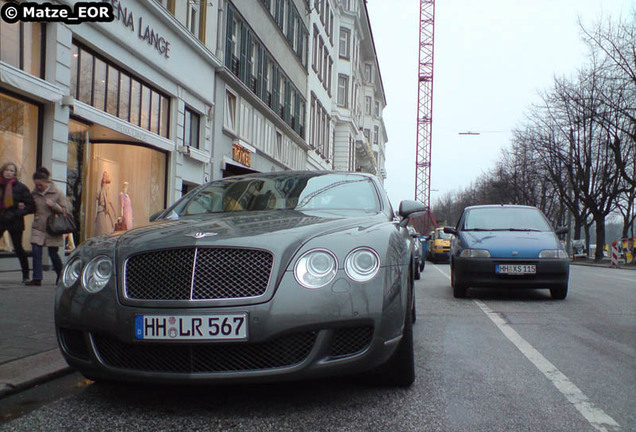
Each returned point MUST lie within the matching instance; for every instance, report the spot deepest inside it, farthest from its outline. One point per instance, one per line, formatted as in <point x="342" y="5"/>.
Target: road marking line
<point x="595" y="416"/>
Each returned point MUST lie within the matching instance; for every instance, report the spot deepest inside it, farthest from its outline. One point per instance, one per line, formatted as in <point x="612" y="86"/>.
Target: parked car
<point x="260" y="277"/>
<point x="507" y="246"/>
<point x="418" y="257"/>
<point x="438" y="246"/>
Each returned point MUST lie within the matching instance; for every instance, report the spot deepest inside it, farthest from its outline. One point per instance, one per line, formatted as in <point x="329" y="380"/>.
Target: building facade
<point x="129" y="115"/>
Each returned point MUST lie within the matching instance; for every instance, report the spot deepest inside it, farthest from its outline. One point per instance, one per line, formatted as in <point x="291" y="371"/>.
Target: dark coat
<point x="12" y="218"/>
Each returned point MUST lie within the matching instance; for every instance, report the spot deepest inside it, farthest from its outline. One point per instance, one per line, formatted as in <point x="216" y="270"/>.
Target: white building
<point x="174" y="93"/>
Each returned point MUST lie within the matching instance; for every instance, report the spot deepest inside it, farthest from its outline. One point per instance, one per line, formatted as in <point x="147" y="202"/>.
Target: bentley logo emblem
<point x="200" y="235"/>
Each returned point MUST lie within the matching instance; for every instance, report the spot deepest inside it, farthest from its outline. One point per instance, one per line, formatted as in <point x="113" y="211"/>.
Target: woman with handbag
<point x="15" y="202"/>
<point x="48" y="201"/>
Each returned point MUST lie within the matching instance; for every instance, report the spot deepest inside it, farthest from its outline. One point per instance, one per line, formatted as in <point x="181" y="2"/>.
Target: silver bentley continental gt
<point x="277" y="276"/>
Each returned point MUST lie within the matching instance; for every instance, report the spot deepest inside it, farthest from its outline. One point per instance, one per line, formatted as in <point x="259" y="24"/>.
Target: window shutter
<point x="228" y="37"/>
<point x="243" y="72"/>
<point x="275" y="90"/>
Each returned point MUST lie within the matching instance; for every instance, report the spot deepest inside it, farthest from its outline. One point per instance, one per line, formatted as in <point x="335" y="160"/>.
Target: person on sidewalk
<point x="15" y="202"/>
<point x="48" y="200"/>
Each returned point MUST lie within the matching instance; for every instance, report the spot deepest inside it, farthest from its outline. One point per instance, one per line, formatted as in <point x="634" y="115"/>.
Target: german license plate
<point x="516" y="269"/>
<point x="191" y="327"/>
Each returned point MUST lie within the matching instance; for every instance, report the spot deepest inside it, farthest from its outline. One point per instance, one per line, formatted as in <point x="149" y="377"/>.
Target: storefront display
<point x="19" y="129"/>
<point x="108" y="183"/>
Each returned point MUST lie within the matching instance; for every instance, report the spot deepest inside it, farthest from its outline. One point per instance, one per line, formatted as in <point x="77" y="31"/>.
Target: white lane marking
<point x="595" y="416"/>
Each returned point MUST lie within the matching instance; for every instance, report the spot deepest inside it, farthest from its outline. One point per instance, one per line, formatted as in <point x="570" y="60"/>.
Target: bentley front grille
<point x="198" y="274"/>
<point x="205" y="358"/>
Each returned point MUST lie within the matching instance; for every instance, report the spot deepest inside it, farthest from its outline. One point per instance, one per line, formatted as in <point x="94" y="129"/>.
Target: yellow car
<point x="438" y="246"/>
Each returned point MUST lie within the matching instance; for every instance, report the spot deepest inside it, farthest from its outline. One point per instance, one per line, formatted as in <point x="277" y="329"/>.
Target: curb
<point x="29" y="371"/>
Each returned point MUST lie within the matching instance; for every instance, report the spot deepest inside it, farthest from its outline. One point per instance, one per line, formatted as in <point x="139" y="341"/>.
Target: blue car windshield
<point x="505" y="219"/>
<point x="305" y="191"/>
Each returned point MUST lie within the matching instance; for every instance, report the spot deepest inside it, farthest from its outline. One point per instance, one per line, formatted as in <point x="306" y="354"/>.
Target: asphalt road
<point x="497" y="361"/>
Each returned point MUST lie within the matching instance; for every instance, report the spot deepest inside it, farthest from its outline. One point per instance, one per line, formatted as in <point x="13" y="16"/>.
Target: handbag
<point x="57" y="224"/>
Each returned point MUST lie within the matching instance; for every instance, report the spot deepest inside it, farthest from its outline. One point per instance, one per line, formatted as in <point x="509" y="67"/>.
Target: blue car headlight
<point x="362" y="264"/>
<point x="475" y="253"/>
<point x="97" y="273"/>
<point x="553" y="253"/>
<point x="316" y="268"/>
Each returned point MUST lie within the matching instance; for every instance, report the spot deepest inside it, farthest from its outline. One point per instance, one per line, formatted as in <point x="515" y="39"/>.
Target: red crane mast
<point x="425" y="113"/>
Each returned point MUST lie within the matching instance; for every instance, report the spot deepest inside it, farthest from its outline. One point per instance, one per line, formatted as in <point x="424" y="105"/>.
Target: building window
<point x="377" y="109"/>
<point x="22" y="46"/>
<point x="104" y="85"/>
<point x="193" y="17"/>
<point x="367" y="105"/>
<point x="368" y="70"/>
<point x="230" y="111"/>
<point x="376" y="134"/>
<point x="344" y="47"/>
<point x="191" y="128"/>
<point x="343" y="90"/>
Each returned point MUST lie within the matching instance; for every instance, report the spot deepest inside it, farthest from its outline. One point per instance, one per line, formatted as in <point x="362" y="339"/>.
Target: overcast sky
<point x="492" y="57"/>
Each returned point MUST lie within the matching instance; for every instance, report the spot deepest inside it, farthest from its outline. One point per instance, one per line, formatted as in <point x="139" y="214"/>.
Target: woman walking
<point x="15" y="202"/>
<point x="48" y="200"/>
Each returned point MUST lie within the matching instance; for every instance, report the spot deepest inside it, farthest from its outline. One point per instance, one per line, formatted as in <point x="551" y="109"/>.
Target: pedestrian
<point x="15" y="202"/>
<point x="48" y="200"/>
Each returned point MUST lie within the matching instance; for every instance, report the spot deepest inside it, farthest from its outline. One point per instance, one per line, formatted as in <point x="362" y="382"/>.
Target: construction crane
<point x="425" y="115"/>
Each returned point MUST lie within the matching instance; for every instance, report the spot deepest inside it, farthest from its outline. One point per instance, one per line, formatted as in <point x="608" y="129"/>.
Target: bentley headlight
<point x="475" y="253"/>
<point x="97" y="273"/>
<point x="553" y="253"/>
<point x="72" y="272"/>
<point x="315" y="268"/>
<point x="362" y="264"/>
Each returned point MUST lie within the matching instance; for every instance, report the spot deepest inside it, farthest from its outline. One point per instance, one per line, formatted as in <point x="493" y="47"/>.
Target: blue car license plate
<point x="516" y="269"/>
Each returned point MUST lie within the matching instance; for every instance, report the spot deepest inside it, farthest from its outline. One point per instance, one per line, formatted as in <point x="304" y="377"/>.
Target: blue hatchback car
<point x="507" y="246"/>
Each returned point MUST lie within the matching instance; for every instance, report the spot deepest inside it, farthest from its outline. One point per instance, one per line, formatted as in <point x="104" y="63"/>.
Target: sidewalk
<point x="28" y="348"/>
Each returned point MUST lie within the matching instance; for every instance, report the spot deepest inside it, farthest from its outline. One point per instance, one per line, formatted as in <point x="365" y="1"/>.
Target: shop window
<point x="164" y="119"/>
<point x="154" y="112"/>
<point x="99" y="84"/>
<point x="124" y="97"/>
<point x="191" y="128"/>
<point x="96" y="81"/>
<point x="122" y="181"/>
<point x="22" y="46"/>
<point x="112" y="97"/>
<point x="145" y="107"/>
<point x="85" y="84"/>
<point x="135" y="101"/>
<point x="19" y="143"/>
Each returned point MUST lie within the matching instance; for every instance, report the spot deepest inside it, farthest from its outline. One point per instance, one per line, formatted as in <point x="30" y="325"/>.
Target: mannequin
<point x="104" y="219"/>
<point x="125" y="220"/>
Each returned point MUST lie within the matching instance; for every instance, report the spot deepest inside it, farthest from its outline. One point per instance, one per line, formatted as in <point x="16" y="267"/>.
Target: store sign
<point x="241" y="155"/>
<point x="147" y="33"/>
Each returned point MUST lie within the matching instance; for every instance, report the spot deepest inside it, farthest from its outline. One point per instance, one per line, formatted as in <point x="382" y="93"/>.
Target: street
<point x="497" y="361"/>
